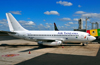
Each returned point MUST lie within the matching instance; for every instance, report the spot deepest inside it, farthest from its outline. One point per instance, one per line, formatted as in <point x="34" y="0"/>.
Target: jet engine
<point x="54" y="43"/>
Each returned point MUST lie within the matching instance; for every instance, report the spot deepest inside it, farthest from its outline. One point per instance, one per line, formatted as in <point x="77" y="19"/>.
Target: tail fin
<point x="13" y="23"/>
<point x="55" y="27"/>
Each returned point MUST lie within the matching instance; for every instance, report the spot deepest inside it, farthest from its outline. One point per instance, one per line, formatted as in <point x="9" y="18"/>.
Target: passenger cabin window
<point x="52" y="35"/>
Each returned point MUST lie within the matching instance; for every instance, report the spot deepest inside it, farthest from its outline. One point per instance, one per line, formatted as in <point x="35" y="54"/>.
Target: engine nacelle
<point x="55" y="43"/>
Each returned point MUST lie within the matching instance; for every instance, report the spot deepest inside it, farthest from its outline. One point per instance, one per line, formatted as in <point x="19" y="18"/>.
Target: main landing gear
<point x="84" y="44"/>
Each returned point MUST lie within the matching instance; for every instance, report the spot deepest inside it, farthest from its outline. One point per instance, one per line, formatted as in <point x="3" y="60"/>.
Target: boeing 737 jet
<point x="49" y="38"/>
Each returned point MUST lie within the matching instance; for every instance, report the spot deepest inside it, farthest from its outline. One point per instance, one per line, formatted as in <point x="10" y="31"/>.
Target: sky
<point x="41" y="14"/>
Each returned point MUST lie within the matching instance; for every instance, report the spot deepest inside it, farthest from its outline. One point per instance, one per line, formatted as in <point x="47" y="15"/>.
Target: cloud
<point x="75" y="19"/>
<point x="62" y="28"/>
<point x="91" y="15"/>
<point x="83" y="19"/>
<point x="44" y="20"/>
<point x="16" y="12"/>
<point x="80" y="12"/>
<point x="4" y="25"/>
<point x="48" y="23"/>
<point x="74" y="27"/>
<point x="47" y="26"/>
<point x="3" y="22"/>
<point x="30" y="23"/>
<point x="67" y="25"/>
<point x="26" y="22"/>
<point x="76" y="23"/>
<point x="71" y="23"/>
<point x="65" y="19"/>
<point x="64" y="3"/>
<point x="41" y="24"/>
<point x="22" y="21"/>
<point x="79" y="5"/>
<point x="51" y="13"/>
<point x="85" y="14"/>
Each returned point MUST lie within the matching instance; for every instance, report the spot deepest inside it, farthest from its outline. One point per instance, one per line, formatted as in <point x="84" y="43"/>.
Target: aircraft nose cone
<point x="91" y="38"/>
<point x="94" y="38"/>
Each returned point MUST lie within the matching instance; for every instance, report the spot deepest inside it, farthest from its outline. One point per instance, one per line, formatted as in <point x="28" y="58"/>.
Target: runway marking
<point x="10" y="55"/>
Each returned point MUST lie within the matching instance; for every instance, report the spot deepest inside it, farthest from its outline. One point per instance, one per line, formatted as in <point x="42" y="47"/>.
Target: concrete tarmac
<point x="69" y="54"/>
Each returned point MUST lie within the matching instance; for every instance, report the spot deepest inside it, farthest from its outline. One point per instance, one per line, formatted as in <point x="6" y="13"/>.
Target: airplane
<point x="47" y="38"/>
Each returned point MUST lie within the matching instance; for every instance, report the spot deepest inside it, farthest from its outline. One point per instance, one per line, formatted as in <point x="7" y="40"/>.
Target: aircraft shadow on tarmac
<point x="39" y="47"/>
<point x="69" y="44"/>
<point x="62" y="59"/>
<point x="32" y="49"/>
<point x="3" y="44"/>
<point x="36" y="47"/>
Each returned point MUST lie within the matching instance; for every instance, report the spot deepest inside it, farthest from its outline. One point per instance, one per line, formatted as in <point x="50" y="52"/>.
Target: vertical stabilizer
<point x="13" y="23"/>
<point x="55" y="27"/>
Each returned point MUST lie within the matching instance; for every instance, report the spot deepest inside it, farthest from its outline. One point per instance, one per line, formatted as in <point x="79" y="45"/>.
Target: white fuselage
<point x="65" y="36"/>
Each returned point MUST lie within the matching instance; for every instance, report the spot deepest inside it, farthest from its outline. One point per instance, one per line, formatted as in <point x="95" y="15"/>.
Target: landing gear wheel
<point x="83" y="44"/>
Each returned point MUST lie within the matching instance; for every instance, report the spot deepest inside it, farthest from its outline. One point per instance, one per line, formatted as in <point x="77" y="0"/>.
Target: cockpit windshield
<point x="89" y="35"/>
